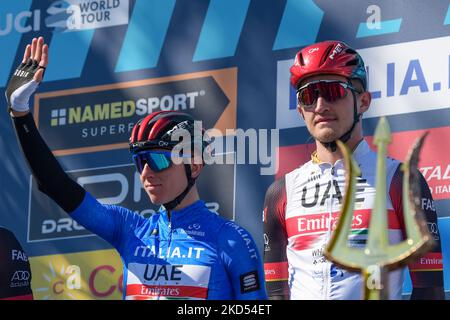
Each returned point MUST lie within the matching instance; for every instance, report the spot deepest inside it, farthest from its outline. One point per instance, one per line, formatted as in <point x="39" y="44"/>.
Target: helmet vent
<point x="300" y="58"/>
<point x="326" y="54"/>
<point x="353" y="62"/>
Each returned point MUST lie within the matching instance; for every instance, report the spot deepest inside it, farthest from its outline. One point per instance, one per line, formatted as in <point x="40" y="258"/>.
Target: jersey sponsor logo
<point x="249" y="282"/>
<point x="434" y="230"/>
<point x="276" y="271"/>
<point x="432" y="261"/>
<point x="194" y="230"/>
<point x="156" y="281"/>
<point x="18" y="255"/>
<point x="323" y="191"/>
<point x="304" y="230"/>
<point x="21" y="275"/>
<point x="171" y="252"/>
<point x="20" y="278"/>
<point x="266" y="243"/>
<point x="247" y="239"/>
<point x="162" y="272"/>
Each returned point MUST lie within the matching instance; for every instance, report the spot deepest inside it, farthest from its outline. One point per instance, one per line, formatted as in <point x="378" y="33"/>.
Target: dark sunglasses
<point x="330" y="90"/>
<point x="156" y="160"/>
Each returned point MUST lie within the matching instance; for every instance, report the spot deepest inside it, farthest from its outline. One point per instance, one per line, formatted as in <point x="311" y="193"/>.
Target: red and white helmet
<point x="156" y="131"/>
<point x="328" y="57"/>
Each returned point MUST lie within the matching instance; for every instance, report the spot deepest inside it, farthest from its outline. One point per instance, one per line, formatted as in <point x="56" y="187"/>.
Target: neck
<point x="189" y="199"/>
<point x="326" y="155"/>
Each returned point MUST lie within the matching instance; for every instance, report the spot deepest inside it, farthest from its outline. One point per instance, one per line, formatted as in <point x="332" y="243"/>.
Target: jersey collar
<point x="184" y="215"/>
<point x="361" y="150"/>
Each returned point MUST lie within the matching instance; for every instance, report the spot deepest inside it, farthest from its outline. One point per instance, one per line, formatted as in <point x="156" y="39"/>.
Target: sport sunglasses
<point x="156" y="160"/>
<point x="330" y="90"/>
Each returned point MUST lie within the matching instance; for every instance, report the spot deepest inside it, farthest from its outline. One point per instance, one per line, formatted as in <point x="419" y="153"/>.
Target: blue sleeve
<point x="242" y="261"/>
<point x="109" y="222"/>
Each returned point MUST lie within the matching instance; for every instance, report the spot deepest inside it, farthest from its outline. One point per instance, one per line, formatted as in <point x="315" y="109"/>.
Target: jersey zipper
<point x="169" y="225"/>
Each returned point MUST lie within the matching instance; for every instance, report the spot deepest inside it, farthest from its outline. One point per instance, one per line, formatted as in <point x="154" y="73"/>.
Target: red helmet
<point x="328" y="57"/>
<point x="156" y="129"/>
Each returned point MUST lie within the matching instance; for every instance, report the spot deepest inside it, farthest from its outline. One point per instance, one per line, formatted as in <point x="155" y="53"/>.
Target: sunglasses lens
<point x="330" y="91"/>
<point x="307" y="96"/>
<point x="156" y="161"/>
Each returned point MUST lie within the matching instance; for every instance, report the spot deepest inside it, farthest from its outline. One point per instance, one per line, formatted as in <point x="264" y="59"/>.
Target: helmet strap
<point x="191" y="181"/>
<point x="332" y="146"/>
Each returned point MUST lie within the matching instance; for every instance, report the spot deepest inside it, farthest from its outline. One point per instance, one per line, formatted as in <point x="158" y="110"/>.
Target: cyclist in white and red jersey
<point x="301" y="209"/>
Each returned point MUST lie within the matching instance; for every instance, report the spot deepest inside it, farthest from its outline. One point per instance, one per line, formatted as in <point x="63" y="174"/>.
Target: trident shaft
<point x="379" y="257"/>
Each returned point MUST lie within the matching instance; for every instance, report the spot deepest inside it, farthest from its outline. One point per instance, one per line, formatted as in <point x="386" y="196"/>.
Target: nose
<point x="147" y="171"/>
<point x="322" y="105"/>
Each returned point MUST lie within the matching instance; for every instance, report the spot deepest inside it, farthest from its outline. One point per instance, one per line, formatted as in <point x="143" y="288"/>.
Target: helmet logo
<point x="163" y="143"/>
<point x="312" y="50"/>
<point x="337" y="49"/>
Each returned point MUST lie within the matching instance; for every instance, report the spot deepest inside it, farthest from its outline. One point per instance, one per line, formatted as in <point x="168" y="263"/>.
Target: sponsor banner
<point x="167" y="281"/>
<point x="434" y="158"/>
<point x="65" y="16"/>
<point x="291" y="157"/>
<point x="101" y="118"/>
<point x="119" y="185"/>
<point x="73" y="15"/>
<point x="405" y="77"/>
<point x="77" y="276"/>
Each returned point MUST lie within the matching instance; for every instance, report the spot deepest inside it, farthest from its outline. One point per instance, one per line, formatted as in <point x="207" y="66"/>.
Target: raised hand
<point x="27" y="76"/>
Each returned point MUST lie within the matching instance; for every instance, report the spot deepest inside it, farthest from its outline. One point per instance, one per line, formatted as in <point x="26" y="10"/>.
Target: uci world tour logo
<point x="74" y="15"/>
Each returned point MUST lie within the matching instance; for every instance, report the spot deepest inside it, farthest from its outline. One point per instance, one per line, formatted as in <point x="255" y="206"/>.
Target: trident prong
<point x="379" y="257"/>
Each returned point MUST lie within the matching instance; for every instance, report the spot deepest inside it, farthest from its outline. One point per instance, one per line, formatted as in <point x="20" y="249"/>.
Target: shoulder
<point x="7" y="238"/>
<point x="231" y="233"/>
<point x="5" y="233"/>
<point x="276" y="188"/>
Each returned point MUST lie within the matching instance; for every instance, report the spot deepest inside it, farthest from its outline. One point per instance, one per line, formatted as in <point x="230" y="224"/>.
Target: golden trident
<point x="379" y="257"/>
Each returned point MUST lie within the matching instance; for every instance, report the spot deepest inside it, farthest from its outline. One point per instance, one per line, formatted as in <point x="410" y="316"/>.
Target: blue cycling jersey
<point x="194" y="255"/>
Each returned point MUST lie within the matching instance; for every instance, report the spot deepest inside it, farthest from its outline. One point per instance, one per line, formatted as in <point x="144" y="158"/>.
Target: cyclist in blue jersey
<point x="182" y="252"/>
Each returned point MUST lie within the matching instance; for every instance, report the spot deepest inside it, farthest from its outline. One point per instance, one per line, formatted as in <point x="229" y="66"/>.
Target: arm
<point x="50" y="177"/>
<point x="426" y="273"/>
<point x="275" y="242"/>
<point x="242" y="262"/>
<point x="109" y="222"/>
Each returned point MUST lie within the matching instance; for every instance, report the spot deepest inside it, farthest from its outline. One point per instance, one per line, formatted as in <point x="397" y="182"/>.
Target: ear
<point x="196" y="169"/>
<point x="300" y="110"/>
<point x="365" y="98"/>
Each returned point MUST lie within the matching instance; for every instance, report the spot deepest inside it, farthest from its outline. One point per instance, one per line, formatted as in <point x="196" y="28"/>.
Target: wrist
<point x="16" y="114"/>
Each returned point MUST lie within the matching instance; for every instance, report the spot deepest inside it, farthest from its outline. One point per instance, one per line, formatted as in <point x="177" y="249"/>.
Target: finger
<point x="39" y="75"/>
<point x="26" y="54"/>
<point x="42" y="64"/>
<point x="33" y="47"/>
<point x="38" y="53"/>
<point x="44" y="57"/>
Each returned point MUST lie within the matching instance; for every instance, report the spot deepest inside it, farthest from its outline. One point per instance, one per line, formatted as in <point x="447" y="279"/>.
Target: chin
<point x="155" y="199"/>
<point x="326" y="136"/>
